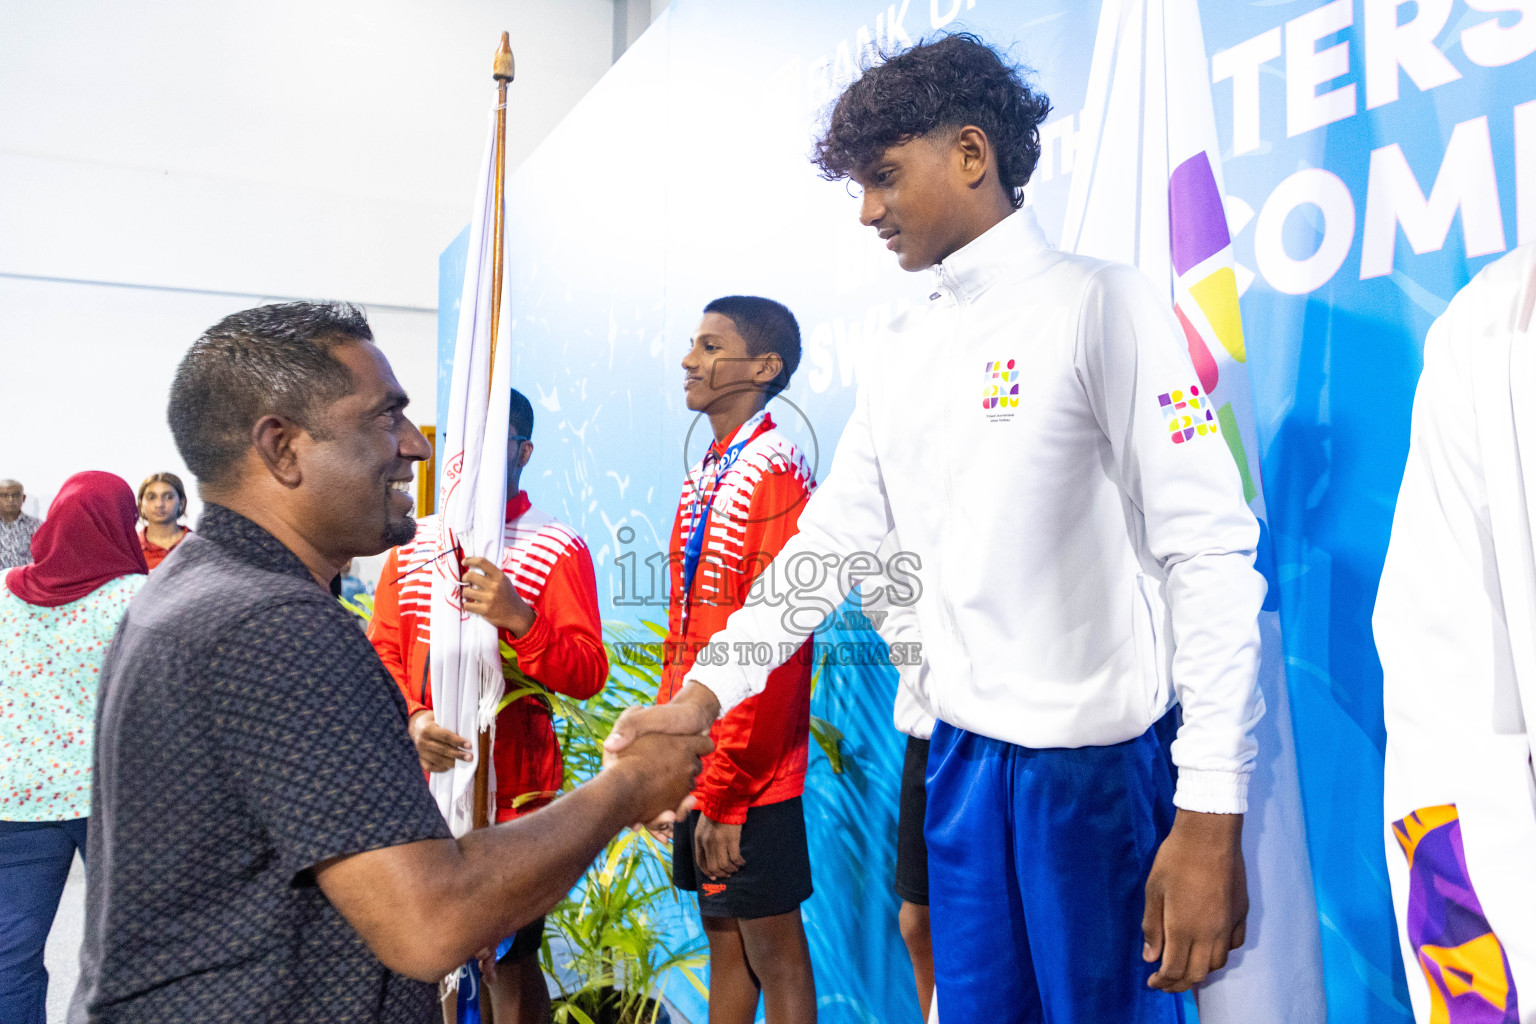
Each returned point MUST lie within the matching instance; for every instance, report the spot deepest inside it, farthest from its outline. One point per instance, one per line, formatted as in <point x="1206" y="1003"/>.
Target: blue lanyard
<point x="700" y="508"/>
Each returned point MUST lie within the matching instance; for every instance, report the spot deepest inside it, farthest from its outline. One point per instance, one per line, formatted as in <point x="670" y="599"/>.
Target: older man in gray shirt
<point x="16" y="527"/>
<point x="263" y="844"/>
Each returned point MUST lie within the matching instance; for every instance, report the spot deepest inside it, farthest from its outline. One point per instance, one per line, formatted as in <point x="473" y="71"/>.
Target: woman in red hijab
<point x="57" y="616"/>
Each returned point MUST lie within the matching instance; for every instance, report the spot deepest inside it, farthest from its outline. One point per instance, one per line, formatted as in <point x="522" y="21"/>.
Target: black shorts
<point x="776" y="878"/>
<point x="911" y="847"/>
<point x="525" y="942"/>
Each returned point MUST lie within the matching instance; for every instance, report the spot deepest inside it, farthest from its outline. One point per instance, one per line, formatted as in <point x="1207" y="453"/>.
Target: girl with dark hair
<point x="58" y="615"/>
<point x="162" y="502"/>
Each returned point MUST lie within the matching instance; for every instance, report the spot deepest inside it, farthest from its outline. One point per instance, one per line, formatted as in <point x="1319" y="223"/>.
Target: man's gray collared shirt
<point x="16" y="540"/>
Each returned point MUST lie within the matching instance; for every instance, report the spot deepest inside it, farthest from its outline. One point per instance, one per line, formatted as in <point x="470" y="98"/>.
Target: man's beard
<point x="399" y="531"/>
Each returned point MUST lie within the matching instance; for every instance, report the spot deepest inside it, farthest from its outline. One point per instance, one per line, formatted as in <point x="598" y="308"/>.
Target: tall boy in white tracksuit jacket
<point x="1036" y="433"/>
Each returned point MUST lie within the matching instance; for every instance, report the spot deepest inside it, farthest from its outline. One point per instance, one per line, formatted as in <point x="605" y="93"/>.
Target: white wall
<point x="86" y="369"/>
<point x="165" y="163"/>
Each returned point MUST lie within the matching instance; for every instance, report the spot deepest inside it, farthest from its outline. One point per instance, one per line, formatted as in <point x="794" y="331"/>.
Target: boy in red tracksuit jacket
<point x="543" y="599"/>
<point x="743" y="849"/>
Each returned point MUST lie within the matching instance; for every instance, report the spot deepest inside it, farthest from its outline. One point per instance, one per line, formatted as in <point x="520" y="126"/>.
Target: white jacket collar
<point x="971" y="268"/>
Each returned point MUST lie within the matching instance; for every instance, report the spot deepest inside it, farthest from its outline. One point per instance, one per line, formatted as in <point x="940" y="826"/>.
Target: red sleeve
<point x="384" y="630"/>
<point x="563" y="649"/>
<point x="750" y="740"/>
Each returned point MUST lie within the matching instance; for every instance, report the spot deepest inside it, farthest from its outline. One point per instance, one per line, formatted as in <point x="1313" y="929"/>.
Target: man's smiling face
<point x="357" y="466"/>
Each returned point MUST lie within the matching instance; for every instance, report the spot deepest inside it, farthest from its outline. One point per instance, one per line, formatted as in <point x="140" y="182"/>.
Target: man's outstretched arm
<point x="426" y="907"/>
<point x="313" y="733"/>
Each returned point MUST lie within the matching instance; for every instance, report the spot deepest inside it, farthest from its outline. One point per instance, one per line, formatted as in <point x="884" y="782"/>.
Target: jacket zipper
<point x="948" y="433"/>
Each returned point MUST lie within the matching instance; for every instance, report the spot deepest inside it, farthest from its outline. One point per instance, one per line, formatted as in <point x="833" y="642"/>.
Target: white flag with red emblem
<point x="467" y="683"/>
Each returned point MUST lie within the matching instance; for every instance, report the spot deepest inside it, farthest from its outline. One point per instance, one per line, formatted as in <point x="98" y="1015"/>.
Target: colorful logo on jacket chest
<point x="1186" y="414"/>
<point x="1000" y="388"/>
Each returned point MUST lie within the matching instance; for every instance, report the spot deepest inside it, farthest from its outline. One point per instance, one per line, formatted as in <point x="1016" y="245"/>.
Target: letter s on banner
<point x="1492" y="45"/>
<point x="1309" y="186"/>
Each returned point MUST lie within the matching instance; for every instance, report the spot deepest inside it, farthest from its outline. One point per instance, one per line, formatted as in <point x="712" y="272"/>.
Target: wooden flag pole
<point x="502" y="71"/>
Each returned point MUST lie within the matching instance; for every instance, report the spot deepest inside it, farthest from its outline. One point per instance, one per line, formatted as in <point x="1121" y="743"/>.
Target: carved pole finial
<point x="502" y="68"/>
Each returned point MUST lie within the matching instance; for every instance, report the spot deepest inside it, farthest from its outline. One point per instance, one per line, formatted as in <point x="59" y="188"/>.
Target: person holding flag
<point x="541" y="596"/>
<point x="1089" y="565"/>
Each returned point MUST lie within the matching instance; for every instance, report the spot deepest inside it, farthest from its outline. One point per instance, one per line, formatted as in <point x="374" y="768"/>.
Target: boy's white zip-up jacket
<point x="1037" y="435"/>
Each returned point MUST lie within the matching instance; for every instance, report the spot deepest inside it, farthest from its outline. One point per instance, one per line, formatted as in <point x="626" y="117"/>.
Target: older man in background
<point x="16" y="527"/>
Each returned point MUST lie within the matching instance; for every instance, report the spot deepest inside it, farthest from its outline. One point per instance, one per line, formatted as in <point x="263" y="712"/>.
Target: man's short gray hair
<point x="270" y="360"/>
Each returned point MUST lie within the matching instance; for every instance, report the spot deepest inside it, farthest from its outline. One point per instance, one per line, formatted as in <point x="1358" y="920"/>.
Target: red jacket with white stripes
<point x="551" y="569"/>
<point x="761" y="744"/>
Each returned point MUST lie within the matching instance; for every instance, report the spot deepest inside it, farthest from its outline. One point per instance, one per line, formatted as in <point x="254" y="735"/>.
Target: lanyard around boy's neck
<point x="713" y="469"/>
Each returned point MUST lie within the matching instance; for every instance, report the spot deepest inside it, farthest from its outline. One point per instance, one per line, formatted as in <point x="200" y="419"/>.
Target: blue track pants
<point x="1037" y="871"/>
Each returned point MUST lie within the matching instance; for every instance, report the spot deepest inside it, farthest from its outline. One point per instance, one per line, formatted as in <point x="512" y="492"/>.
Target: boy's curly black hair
<point x="948" y="83"/>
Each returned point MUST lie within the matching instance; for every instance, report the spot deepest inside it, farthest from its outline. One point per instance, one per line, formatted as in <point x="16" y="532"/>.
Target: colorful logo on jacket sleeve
<point x="1461" y="957"/>
<point x="1186" y="414"/>
<point x="1001" y="390"/>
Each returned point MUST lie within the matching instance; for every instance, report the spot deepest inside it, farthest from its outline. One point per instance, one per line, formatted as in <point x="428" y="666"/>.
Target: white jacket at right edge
<point x="1455" y="626"/>
<point x="1037" y="435"/>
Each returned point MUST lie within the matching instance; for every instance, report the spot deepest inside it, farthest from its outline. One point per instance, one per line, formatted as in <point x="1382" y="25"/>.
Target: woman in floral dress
<point x="57" y="617"/>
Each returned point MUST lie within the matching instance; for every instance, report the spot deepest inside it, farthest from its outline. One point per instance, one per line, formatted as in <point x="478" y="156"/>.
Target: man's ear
<point x="526" y="455"/>
<point x="973" y="151"/>
<point x="274" y="438"/>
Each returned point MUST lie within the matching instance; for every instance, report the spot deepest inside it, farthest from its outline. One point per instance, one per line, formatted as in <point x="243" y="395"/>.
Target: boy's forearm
<point x="698" y="696"/>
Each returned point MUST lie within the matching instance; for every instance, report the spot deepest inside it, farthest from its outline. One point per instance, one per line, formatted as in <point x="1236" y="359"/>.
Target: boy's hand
<point x="1197" y="899"/>
<point x="437" y="747"/>
<point x="717" y="848"/>
<point x="488" y="592"/>
<point x="691" y="712"/>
